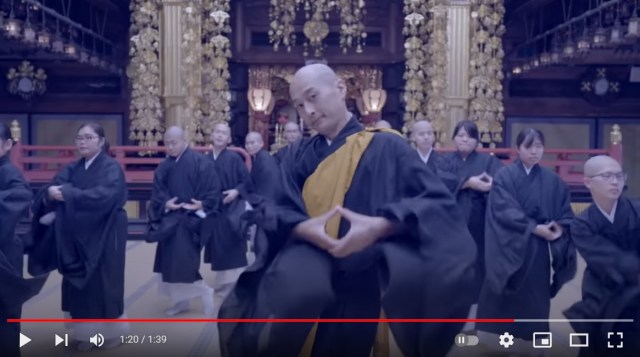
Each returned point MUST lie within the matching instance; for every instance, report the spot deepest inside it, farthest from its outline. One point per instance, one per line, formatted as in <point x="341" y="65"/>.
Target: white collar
<point x="425" y="158"/>
<point x="328" y="141"/>
<point x="609" y="216"/>
<point x="215" y="155"/>
<point x="88" y="163"/>
<point x="527" y="169"/>
<point x="183" y="150"/>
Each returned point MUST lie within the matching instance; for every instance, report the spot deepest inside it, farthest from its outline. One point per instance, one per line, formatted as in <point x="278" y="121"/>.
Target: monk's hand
<point x="55" y="193"/>
<point x="364" y="232"/>
<point x="230" y="195"/>
<point x="556" y="229"/>
<point x="171" y="205"/>
<point x="480" y="182"/>
<point x="314" y="231"/>
<point x="193" y="206"/>
<point x="545" y="231"/>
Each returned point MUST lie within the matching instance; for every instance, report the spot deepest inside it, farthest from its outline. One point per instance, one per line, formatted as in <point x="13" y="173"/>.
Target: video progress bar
<point x="311" y="320"/>
<point x="574" y="320"/>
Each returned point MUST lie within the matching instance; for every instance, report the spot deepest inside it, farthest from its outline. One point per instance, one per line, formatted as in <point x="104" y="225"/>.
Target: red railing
<point x="40" y="163"/>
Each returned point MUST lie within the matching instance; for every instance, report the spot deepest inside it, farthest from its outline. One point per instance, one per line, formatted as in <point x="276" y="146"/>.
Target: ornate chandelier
<point x="282" y="14"/>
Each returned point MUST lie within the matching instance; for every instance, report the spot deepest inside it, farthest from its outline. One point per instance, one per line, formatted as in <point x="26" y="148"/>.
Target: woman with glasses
<point x="607" y="235"/>
<point x="527" y="243"/>
<point x="80" y="229"/>
<point x="15" y="199"/>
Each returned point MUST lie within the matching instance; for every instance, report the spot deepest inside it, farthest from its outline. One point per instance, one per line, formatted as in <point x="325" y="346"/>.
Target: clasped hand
<point x="482" y="182"/>
<point x="171" y="205"/>
<point x="364" y="231"/>
<point x="55" y="193"/>
<point x="550" y="231"/>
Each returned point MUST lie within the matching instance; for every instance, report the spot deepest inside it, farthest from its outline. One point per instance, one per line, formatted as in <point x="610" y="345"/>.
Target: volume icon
<point x="97" y="340"/>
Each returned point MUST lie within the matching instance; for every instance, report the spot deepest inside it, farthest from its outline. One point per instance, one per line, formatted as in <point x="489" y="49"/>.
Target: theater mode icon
<point x="542" y="340"/>
<point x="578" y="340"/>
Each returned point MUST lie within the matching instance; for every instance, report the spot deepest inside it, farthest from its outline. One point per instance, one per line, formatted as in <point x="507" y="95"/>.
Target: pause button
<point x="463" y="340"/>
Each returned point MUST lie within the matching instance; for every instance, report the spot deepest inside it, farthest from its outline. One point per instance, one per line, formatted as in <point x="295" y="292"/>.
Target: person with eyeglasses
<point x="527" y="245"/>
<point x="80" y="228"/>
<point x="607" y="235"/>
<point x="15" y="199"/>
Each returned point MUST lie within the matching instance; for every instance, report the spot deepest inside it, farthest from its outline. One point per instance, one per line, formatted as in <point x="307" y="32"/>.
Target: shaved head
<point x="421" y="125"/>
<point x="175" y="141"/>
<point x="605" y="179"/>
<point x="221" y="136"/>
<point x="380" y="124"/>
<point x="599" y="164"/>
<point x="292" y="132"/>
<point x="422" y="135"/>
<point x="318" y="95"/>
<point x="253" y="142"/>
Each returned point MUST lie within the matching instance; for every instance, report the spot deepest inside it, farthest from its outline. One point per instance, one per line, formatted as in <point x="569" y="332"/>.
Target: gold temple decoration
<point x="190" y="67"/>
<point x="417" y="60"/>
<point x="282" y="14"/>
<point x="487" y="54"/>
<point x="215" y="65"/>
<point x="26" y="81"/>
<point x="437" y="108"/>
<point x="144" y="73"/>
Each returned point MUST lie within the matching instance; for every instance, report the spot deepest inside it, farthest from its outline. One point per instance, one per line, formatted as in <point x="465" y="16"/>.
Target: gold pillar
<point x="458" y="32"/>
<point x="171" y="60"/>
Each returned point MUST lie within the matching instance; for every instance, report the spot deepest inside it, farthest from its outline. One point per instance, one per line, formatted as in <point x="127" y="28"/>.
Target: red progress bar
<point x="266" y="320"/>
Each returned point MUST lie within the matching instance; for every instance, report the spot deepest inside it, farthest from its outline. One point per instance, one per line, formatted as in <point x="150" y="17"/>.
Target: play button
<point x="24" y="340"/>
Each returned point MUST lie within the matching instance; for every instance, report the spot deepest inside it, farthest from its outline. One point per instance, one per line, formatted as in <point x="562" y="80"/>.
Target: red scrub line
<point x="264" y="320"/>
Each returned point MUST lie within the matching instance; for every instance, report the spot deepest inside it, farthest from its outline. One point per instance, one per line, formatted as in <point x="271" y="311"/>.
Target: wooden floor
<point x="193" y="340"/>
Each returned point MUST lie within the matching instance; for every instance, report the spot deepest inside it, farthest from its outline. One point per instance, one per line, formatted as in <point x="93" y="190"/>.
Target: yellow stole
<point x="328" y="185"/>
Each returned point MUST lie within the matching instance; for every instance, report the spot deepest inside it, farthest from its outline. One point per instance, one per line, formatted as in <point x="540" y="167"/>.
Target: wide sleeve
<point x="427" y="210"/>
<point x="15" y="199"/>
<point x="159" y="192"/>
<point x="265" y="176"/>
<point x="563" y="251"/>
<point x="604" y="258"/>
<point x="508" y="232"/>
<point x="245" y="184"/>
<point x="102" y="197"/>
<point x="493" y="165"/>
<point x="209" y="187"/>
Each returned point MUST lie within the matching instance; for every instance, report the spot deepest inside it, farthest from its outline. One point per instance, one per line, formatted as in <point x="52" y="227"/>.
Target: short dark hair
<point x="5" y="133"/>
<point x="527" y="136"/>
<point x="99" y="131"/>
<point x="468" y="126"/>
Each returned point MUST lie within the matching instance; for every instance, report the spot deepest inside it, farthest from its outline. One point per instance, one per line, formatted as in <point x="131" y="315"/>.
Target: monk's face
<point x="423" y="136"/>
<point x="175" y="144"/>
<point x="292" y="133"/>
<point x="253" y="144"/>
<point x="320" y="101"/>
<point x="88" y="142"/>
<point x="607" y="181"/>
<point x="464" y="142"/>
<point x="531" y="155"/>
<point x="221" y="136"/>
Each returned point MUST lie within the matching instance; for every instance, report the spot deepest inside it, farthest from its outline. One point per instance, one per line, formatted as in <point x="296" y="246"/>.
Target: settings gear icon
<point x="506" y="340"/>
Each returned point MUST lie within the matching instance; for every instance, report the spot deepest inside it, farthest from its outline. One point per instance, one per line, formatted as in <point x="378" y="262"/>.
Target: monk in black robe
<point x="265" y="170"/>
<point x="474" y="171"/>
<point x="607" y="235"/>
<point x="226" y="238"/>
<point x="15" y="199"/>
<point x="400" y="247"/>
<point x="291" y="134"/>
<point x="528" y="215"/>
<point x="80" y="229"/>
<point x="186" y="190"/>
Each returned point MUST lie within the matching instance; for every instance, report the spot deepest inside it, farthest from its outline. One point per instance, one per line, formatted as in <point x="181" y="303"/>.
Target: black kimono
<point x="280" y="154"/>
<point x="264" y="175"/>
<point x="87" y="241"/>
<point x="412" y="274"/>
<point x="179" y="232"/>
<point x="472" y="203"/>
<point x="611" y="282"/>
<point x="15" y="199"/>
<point x="518" y="267"/>
<point x="224" y="235"/>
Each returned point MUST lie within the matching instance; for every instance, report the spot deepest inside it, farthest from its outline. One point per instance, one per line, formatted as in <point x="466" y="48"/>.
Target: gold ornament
<point x="486" y="57"/>
<point x="416" y="31"/>
<point x="25" y="81"/>
<point x="144" y="73"/>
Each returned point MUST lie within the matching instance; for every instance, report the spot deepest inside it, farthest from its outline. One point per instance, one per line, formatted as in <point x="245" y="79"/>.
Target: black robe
<point x="518" y="266"/>
<point x="87" y="241"/>
<point x="224" y="236"/>
<point x="179" y="232"/>
<point x="264" y="175"/>
<point x="15" y="199"/>
<point x="417" y="271"/>
<point x="611" y="282"/>
<point x="280" y="154"/>
<point x="472" y="203"/>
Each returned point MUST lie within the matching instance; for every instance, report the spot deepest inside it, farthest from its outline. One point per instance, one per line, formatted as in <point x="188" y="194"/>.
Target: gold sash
<point x="328" y="185"/>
